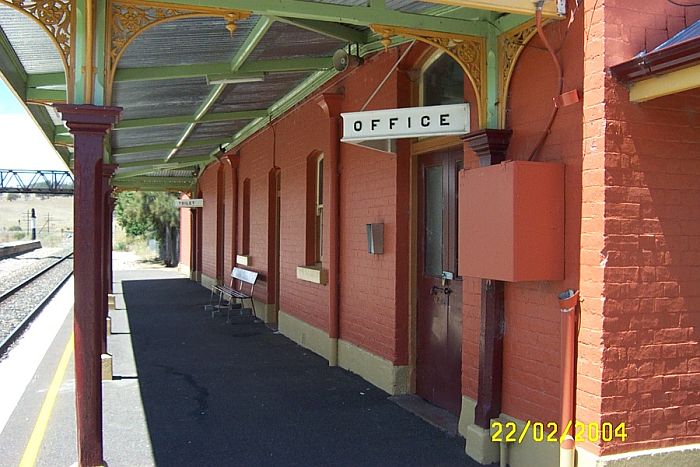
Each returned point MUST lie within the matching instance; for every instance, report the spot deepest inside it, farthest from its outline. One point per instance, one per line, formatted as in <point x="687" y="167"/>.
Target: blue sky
<point x="22" y="144"/>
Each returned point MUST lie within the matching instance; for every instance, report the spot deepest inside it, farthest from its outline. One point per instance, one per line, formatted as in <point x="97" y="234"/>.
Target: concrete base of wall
<point x="479" y="446"/>
<point x="208" y="282"/>
<point x="529" y="452"/>
<point x="382" y="373"/>
<point x="107" y="373"/>
<point x="677" y="456"/>
<point x="265" y="312"/>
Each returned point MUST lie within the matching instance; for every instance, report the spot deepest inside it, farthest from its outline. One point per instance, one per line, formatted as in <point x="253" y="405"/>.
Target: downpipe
<point x="568" y="303"/>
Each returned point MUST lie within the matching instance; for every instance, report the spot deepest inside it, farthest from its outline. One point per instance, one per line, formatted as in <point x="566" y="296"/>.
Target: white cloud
<point x="24" y="146"/>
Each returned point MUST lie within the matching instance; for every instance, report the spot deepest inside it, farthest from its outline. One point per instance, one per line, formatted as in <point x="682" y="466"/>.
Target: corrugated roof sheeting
<point x="161" y="98"/>
<point x="150" y="135"/>
<point x="173" y="173"/>
<point x="286" y="41"/>
<point x="186" y="41"/>
<point x="691" y="32"/>
<point x="31" y="42"/>
<point x="251" y="96"/>
<point x="156" y="156"/>
<point x="217" y="130"/>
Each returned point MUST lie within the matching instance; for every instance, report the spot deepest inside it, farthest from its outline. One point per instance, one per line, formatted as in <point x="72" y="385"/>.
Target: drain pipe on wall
<point x="560" y="75"/>
<point x="568" y="303"/>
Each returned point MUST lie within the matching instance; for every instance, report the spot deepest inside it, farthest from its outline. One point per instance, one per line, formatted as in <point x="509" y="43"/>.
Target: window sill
<point x="313" y="274"/>
<point x="244" y="260"/>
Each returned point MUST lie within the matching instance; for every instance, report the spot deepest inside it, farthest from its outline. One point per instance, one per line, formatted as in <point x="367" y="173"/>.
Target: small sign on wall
<point x="189" y="203"/>
<point x="410" y="122"/>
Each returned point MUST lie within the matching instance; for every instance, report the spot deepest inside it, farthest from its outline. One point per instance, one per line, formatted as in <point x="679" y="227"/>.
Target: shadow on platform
<point x="239" y="394"/>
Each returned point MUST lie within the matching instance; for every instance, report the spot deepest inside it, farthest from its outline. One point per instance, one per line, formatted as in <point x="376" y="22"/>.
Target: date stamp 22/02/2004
<point x="541" y="432"/>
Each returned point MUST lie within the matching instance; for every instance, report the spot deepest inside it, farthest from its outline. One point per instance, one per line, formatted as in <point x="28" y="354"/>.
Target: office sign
<point x="189" y="203"/>
<point x="411" y="122"/>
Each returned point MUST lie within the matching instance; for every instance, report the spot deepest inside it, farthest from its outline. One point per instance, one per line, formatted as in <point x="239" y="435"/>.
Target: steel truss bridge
<point x="48" y="182"/>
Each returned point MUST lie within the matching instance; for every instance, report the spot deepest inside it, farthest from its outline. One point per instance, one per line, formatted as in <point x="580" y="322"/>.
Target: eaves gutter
<point x="681" y="55"/>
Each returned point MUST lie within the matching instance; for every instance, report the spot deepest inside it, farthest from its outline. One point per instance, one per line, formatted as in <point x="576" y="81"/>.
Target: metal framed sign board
<point x="410" y="122"/>
<point x="189" y="203"/>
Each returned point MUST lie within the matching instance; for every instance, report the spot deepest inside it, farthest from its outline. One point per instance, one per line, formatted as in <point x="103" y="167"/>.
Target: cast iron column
<point x="107" y="172"/>
<point x="490" y="146"/>
<point x="88" y="124"/>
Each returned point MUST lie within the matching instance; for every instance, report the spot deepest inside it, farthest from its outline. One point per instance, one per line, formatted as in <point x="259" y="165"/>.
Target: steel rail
<point x="17" y="331"/>
<point x="14" y="289"/>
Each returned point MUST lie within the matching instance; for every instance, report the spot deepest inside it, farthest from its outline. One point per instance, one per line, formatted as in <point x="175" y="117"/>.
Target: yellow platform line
<point x="32" y="450"/>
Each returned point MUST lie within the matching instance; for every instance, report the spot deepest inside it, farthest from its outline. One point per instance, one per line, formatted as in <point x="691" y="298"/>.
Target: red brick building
<point x="630" y="232"/>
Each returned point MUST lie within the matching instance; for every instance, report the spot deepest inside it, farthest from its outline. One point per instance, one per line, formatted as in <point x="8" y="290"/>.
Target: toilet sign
<point x="410" y="122"/>
<point x="189" y="203"/>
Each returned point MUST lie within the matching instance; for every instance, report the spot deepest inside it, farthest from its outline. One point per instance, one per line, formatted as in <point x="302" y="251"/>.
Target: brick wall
<point x="651" y="311"/>
<point x="208" y="187"/>
<point x="185" y="236"/>
<point x="368" y="286"/>
<point x="230" y="189"/>
<point x="531" y="377"/>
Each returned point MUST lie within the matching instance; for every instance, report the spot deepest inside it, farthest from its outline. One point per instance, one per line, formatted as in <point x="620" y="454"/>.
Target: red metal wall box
<point x="511" y="222"/>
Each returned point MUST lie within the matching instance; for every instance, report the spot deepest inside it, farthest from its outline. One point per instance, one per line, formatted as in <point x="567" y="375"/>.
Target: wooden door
<point x="439" y="322"/>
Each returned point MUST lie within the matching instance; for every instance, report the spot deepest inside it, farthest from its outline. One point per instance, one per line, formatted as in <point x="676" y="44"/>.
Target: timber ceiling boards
<point x="250" y="96"/>
<point x="163" y="98"/>
<point x="149" y="135"/>
<point x="30" y="42"/>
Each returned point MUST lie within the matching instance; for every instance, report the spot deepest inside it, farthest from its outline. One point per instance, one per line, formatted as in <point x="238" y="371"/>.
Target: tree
<point x="150" y="214"/>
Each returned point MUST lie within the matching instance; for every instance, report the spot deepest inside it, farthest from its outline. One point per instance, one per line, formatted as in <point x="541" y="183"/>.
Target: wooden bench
<point x="235" y="290"/>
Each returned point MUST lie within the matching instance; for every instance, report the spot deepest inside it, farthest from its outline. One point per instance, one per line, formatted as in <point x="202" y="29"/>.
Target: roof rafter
<point x="334" y="30"/>
<point x="375" y="14"/>
<point x="39" y="80"/>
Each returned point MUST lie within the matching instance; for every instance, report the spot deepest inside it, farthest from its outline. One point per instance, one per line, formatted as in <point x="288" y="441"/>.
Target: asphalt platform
<point x="192" y="390"/>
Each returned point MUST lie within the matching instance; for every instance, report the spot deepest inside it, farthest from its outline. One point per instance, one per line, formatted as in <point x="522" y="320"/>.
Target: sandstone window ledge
<point x="314" y="274"/>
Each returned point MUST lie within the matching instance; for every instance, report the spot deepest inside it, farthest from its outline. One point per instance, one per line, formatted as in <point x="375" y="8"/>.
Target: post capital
<point x="88" y="118"/>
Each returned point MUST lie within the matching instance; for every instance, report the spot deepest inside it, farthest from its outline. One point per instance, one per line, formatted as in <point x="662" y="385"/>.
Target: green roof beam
<point x="508" y="22"/>
<point x="169" y="72"/>
<point x="355" y="15"/>
<point x="334" y="30"/>
<point x="45" y="95"/>
<point x="11" y="68"/>
<point x="189" y="119"/>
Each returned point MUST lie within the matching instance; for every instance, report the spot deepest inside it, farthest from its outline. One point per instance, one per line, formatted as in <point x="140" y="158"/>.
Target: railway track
<point x="23" y="302"/>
